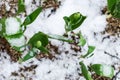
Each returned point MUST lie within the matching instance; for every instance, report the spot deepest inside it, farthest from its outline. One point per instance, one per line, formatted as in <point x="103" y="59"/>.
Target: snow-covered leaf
<point x="30" y="18"/>
<point x="90" y="50"/>
<point x="21" y="6"/>
<point x="103" y="70"/>
<point x="73" y="21"/>
<point x="85" y="72"/>
<point x="12" y="27"/>
<point x="82" y="40"/>
<point x="59" y="37"/>
<point x="17" y="42"/>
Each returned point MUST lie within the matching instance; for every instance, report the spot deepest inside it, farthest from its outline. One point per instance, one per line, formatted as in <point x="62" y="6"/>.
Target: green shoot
<point x="39" y="37"/>
<point x="21" y="6"/>
<point x="82" y="40"/>
<point x="59" y="37"/>
<point x="73" y="21"/>
<point x="90" y="50"/>
<point x="2" y="27"/>
<point x="114" y="7"/>
<point x="85" y="72"/>
<point x="39" y="41"/>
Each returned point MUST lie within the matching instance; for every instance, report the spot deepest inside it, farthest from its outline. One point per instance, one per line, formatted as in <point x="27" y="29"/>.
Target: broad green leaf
<point x="85" y="72"/>
<point x="58" y="37"/>
<point x="41" y="37"/>
<point x="73" y="21"/>
<point x="82" y="40"/>
<point x="29" y="55"/>
<point x="111" y="5"/>
<point x="116" y="12"/>
<point x="39" y="41"/>
<point x="30" y="18"/>
<point x="90" y="50"/>
<point x="21" y="6"/>
<point x="114" y="7"/>
<point x="103" y="70"/>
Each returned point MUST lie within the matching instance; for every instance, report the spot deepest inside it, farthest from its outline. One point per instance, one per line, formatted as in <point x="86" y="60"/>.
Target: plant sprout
<point x="99" y="69"/>
<point x="90" y="50"/>
<point x="21" y="6"/>
<point x="40" y="40"/>
<point x="73" y="21"/>
<point x="114" y="7"/>
<point x="103" y="70"/>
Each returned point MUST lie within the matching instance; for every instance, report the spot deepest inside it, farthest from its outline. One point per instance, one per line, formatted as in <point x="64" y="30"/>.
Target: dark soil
<point x="5" y="46"/>
<point x="97" y="77"/>
<point x="25" y="70"/>
<point x="113" y="25"/>
<point x="12" y="11"/>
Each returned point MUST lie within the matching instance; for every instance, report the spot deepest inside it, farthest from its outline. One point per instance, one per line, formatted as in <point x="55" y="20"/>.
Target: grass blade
<point x="90" y="50"/>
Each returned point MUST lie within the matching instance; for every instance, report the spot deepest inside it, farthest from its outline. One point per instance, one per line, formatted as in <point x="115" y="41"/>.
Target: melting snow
<point x="66" y="64"/>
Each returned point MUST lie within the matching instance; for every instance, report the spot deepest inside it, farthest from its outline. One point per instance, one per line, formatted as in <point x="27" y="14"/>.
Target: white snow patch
<point x="106" y="70"/>
<point x="12" y="26"/>
<point x="66" y="64"/>
<point x="17" y="41"/>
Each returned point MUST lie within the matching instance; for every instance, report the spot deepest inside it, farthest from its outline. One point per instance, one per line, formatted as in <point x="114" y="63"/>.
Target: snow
<point x="12" y="26"/>
<point x="107" y="70"/>
<point x="18" y="42"/>
<point x="65" y="64"/>
<point x="7" y="6"/>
